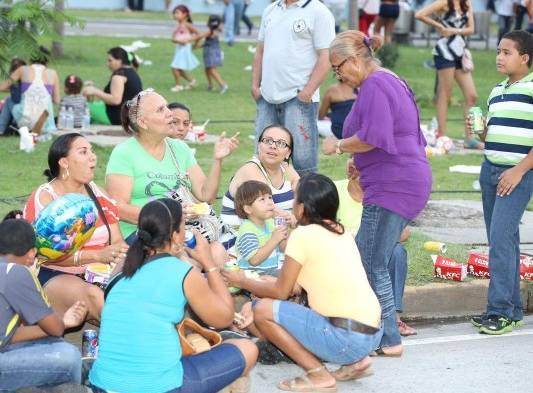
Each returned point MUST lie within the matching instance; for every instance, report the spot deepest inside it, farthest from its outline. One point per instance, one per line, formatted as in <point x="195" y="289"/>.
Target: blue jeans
<point x="378" y="235"/>
<point x="300" y="119"/>
<point x="5" y="115"/>
<point x="49" y="361"/>
<point x="316" y="333"/>
<point x="239" y="8"/>
<point x="502" y="217"/>
<point x="229" y="23"/>
<point x="209" y="371"/>
<point x="398" y="274"/>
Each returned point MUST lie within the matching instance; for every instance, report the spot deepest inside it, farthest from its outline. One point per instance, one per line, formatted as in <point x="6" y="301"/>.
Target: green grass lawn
<point x="85" y="56"/>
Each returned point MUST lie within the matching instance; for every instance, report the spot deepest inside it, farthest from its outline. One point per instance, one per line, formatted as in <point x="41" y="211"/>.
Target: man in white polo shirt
<point x="290" y="63"/>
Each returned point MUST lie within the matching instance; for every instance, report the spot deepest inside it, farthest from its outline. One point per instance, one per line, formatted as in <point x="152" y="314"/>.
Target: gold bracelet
<point x="77" y="257"/>
<point x="212" y="269"/>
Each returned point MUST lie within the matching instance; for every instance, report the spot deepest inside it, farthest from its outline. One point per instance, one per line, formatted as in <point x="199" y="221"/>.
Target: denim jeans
<point x="229" y="23"/>
<point x="377" y="236"/>
<point x="5" y="115"/>
<point x="398" y="274"/>
<point x="300" y="119"/>
<point x="49" y="361"/>
<point x="502" y="217"/>
<point x="239" y="7"/>
<point x="504" y="25"/>
<point x="316" y="333"/>
<point x="208" y="372"/>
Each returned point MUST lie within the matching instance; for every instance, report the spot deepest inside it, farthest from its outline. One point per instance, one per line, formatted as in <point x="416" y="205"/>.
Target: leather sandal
<point x="304" y="384"/>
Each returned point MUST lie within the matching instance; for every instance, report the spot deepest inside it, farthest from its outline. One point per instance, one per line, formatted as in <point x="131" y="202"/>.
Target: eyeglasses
<point x="280" y="143"/>
<point x="337" y="68"/>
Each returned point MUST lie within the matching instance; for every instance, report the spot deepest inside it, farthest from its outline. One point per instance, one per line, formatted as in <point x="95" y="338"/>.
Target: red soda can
<point x="89" y="344"/>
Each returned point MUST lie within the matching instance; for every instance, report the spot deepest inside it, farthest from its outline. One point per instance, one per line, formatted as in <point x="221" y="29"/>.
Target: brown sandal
<point x="304" y="384"/>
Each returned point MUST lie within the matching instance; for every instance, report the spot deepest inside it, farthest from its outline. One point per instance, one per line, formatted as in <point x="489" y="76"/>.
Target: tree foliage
<point x="23" y="24"/>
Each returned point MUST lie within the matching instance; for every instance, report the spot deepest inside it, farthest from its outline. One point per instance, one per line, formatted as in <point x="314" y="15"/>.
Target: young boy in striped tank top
<point x="507" y="180"/>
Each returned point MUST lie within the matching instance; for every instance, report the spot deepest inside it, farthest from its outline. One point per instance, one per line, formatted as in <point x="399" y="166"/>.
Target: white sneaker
<point x="177" y="88"/>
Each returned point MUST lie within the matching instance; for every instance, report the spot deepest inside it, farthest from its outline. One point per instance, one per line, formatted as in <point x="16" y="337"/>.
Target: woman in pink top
<point x="71" y="164"/>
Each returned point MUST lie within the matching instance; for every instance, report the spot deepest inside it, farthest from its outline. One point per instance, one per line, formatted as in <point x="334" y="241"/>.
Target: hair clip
<point x="368" y="42"/>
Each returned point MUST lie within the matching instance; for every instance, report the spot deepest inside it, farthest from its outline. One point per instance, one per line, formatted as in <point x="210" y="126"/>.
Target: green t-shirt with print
<point x="152" y="178"/>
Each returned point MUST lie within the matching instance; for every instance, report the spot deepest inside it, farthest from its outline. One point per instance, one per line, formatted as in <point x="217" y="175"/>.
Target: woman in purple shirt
<point x="383" y="132"/>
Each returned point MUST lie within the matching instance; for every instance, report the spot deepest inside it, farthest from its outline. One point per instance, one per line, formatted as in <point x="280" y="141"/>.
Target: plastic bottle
<point x="86" y="120"/>
<point x="62" y="118"/>
<point x="70" y="118"/>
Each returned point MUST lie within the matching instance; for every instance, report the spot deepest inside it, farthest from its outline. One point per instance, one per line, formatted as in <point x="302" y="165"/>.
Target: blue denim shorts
<point x="209" y="371"/>
<point x="319" y="336"/>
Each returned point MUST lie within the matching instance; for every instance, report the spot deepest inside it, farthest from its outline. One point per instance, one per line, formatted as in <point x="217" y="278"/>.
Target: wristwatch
<point x="338" y="147"/>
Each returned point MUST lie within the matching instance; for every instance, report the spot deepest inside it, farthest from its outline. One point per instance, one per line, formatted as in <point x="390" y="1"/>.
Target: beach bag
<point x="195" y="339"/>
<point x="209" y="225"/>
<point x="467" y="61"/>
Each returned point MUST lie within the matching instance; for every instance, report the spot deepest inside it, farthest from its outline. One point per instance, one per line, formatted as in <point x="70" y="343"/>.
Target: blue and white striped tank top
<point x="283" y="197"/>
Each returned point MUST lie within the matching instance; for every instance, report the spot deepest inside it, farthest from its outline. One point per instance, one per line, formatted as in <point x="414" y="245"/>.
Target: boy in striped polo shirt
<point x="507" y="180"/>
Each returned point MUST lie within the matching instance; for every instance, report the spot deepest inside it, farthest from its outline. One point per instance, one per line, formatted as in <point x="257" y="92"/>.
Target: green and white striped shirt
<point x="510" y="122"/>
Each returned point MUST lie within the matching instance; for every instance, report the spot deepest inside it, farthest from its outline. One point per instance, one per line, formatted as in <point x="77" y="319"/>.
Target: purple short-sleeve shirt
<point x="396" y="174"/>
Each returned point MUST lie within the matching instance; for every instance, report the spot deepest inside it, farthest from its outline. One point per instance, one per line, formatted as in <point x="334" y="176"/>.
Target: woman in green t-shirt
<point x="149" y="165"/>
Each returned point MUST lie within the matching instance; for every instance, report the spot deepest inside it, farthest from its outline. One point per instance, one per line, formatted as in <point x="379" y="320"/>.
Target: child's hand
<point x="245" y="317"/>
<point x="280" y="234"/>
<point x="75" y="315"/>
<point x="351" y="170"/>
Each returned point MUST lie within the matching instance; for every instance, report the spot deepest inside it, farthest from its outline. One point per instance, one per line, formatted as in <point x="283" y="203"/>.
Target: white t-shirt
<point x="291" y="38"/>
<point x="505" y="7"/>
<point x="371" y="7"/>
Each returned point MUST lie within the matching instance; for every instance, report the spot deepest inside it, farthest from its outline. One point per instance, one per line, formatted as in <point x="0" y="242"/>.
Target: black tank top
<point x="132" y="86"/>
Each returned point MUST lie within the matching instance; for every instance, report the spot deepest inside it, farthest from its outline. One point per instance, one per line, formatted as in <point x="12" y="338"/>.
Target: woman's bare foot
<point x="394" y="351"/>
<point x="404" y="329"/>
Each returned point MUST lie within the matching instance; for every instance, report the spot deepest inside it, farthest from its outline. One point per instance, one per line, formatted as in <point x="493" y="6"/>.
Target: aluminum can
<point x="476" y="115"/>
<point x="234" y="267"/>
<point x="89" y="344"/>
<point x="280" y="221"/>
<point x="190" y="240"/>
<point x="435" y="247"/>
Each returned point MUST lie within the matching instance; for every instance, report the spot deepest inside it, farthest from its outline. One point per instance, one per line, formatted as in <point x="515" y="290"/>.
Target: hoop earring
<point x="65" y="175"/>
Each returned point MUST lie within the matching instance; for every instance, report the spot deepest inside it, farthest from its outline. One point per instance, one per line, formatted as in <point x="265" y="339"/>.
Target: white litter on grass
<point x="251" y="49"/>
<point x="27" y="143"/>
<point x="248" y="68"/>
<point x="470" y="169"/>
<point x="141" y="44"/>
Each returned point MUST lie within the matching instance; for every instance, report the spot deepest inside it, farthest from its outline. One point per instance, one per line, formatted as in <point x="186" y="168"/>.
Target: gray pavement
<point x="442" y="358"/>
<point x="461" y="222"/>
<point x="163" y="29"/>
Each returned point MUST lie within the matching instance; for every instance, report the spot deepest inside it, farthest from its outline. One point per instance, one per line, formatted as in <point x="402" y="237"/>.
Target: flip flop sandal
<point x="379" y="352"/>
<point x="353" y="374"/>
<point x="406" y="330"/>
<point x="304" y="384"/>
<point x="472" y="144"/>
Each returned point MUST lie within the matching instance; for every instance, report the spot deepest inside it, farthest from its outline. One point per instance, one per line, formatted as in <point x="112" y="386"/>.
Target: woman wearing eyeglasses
<point x="382" y="131"/>
<point x="271" y="166"/>
<point x="150" y="165"/>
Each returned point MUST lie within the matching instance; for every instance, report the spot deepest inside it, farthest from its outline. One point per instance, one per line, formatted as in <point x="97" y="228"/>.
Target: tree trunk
<point x="57" y="46"/>
<point x="353" y="15"/>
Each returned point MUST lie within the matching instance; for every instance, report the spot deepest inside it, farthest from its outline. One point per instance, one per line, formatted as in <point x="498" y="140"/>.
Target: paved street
<point x="442" y="358"/>
<point x="162" y="29"/>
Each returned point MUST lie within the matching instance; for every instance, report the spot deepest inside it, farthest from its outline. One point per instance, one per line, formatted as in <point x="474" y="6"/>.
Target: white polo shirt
<point x="291" y="38"/>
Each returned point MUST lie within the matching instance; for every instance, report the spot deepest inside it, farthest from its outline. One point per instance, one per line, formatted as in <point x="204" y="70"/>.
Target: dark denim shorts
<point x="441" y="63"/>
<point x="389" y="10"/>
<point x="46" y="275"/>
<point x="208" y="372"/>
